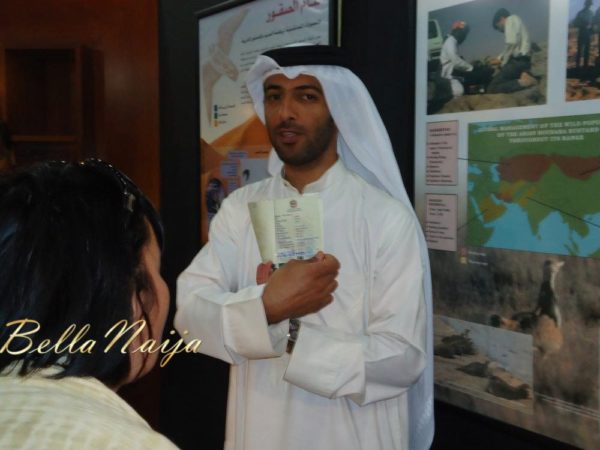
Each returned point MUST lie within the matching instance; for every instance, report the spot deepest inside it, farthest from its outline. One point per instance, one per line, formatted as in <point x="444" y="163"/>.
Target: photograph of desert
<point x="467" y="68"/>
<point x="517" y="338"/>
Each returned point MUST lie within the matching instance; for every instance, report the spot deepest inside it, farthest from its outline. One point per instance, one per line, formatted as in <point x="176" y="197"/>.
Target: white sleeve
<point x="231" y="322"/>
<point x="507" y="53"/>
<point x="511" y="38"/>
<point x="455" y="58"/>
<point x="390" y="356"/>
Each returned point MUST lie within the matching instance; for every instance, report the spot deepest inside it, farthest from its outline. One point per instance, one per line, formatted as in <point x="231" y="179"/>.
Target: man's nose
<point x="287" y="108"/>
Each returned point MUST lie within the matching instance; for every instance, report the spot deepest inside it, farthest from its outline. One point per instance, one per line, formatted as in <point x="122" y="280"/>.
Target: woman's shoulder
<point x="73" y="412"/>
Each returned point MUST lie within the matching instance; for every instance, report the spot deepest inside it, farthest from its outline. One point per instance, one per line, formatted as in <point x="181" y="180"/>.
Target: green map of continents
<point x="534" y="185"/>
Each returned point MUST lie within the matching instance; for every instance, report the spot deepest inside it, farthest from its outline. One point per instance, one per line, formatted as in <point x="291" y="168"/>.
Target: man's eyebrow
<point x="272" y="87"/>
<point x="304" y="87"/>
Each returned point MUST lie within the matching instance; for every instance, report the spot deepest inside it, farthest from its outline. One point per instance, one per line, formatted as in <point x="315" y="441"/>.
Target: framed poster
<point x="234" y="144"/>
<point x="507" y="176"/>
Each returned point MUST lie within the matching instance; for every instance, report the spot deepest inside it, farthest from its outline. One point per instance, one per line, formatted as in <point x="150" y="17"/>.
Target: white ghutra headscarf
<point x="365" y="148"/>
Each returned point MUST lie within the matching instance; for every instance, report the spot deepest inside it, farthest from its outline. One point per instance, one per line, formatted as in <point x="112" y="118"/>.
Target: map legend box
<point x="440" y="221"/>
<point x="442" y="154"/>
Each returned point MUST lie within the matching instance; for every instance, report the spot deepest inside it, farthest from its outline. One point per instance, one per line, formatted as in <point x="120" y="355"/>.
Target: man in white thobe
<point x="453" y="65"/>
<point x="359" y="375"/>
<point x="515" y="59"/>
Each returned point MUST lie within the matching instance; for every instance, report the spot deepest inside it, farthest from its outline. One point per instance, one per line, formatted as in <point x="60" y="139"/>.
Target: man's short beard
<point x="313" y="149"/>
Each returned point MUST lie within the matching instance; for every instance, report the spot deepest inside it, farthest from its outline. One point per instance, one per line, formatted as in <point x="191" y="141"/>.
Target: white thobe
<point x="450" y="60"/>
<point x="516" y="39"/>
<point x="345" y="384"/>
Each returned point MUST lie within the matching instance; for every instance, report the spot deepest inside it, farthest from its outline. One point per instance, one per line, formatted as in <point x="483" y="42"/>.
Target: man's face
<point x="300" y="126"/>
<point x="500" y="24"/>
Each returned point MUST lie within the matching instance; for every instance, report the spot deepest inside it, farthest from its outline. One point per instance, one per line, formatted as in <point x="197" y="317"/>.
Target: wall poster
<point x="507" y="187"/>
<point x="234" y="145"/>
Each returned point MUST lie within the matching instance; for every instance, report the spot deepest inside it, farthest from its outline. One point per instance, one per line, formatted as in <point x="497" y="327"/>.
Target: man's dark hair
<point x="71" y="241"/>
<point x="500" y="14"/>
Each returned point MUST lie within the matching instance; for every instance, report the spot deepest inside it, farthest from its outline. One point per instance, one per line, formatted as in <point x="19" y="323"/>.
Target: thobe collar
<point x="335" y="174"/>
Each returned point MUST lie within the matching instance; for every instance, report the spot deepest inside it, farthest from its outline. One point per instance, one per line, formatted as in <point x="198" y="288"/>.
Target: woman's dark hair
<point x="71" y="241"/>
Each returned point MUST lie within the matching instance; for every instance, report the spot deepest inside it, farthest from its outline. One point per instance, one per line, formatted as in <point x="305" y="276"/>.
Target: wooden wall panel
<point x="126" y="34"/>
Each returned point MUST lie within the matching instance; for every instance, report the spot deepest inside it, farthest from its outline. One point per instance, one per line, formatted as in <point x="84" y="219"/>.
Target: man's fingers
<point x="325" y="263"/>
<point x="332" y="286"/>
<point x="320" y="256"/>
<point x="331" y="261"/>
<point x="263" y="272"/>
<point x="326" y="300"/>
<point x="314" y="306"/>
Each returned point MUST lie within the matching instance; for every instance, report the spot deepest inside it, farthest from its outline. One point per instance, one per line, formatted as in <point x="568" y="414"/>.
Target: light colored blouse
<point x="71" y="413"/>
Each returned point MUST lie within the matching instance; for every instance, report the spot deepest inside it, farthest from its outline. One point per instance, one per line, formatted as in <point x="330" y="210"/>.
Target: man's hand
<point x="300" y="287"/>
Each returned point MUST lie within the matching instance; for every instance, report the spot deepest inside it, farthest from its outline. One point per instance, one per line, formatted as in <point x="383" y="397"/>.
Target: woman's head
<point x="79" y="244"/>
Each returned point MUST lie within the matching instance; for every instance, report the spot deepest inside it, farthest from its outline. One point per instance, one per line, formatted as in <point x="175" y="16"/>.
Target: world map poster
<point x="534" y="185"/>
<point x="507" y="189"/>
